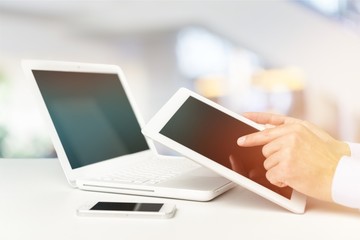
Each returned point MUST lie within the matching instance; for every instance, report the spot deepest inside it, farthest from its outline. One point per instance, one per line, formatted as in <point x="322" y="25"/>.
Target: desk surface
<point x="37" y="203"/>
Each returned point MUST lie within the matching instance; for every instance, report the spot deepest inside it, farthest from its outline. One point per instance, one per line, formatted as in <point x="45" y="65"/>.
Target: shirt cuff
<point x="346" y="182"/>
<point x="355" y="149"/>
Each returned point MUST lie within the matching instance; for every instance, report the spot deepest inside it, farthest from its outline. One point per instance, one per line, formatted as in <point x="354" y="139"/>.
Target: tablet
<point x="206" y="133"/>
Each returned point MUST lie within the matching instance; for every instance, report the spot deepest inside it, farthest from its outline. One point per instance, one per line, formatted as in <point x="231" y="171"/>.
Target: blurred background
<point x="300" y="58"/>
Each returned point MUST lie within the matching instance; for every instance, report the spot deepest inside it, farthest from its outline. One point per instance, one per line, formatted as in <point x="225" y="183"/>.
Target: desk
<point x="37" y="203"/>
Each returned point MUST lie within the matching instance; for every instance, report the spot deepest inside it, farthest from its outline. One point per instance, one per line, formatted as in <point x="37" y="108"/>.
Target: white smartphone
<point x="128" y="209"/>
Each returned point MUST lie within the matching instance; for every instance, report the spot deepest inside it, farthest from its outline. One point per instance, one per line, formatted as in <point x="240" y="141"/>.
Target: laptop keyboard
<point x="151" y="172"/>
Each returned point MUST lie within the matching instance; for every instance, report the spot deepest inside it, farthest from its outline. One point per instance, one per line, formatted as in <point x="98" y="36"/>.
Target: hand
<point x="298" y="154"/>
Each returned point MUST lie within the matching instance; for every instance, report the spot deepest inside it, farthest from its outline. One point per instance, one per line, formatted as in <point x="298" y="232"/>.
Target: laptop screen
<point x="92" y="115"/>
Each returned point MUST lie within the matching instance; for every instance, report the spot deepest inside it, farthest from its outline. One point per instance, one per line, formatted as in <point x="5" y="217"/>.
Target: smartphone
<point x="128" y="209"/>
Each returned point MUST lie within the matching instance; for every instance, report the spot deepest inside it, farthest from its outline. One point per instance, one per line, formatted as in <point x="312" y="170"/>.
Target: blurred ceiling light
<point x="210" y="86"/>
<point x="200" y="52"/>
<point x="279" y="80"/>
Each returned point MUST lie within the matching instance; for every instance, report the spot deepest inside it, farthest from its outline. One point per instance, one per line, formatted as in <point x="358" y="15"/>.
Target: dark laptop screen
<point x="92" y="115"/>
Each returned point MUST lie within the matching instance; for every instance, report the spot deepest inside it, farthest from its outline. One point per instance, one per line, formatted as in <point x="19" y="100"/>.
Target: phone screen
<point x="127" y="206"/>
<point x="213" y="134"/>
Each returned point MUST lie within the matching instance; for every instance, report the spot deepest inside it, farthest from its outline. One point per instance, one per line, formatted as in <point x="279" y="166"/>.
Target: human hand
<point x="298" y="154"/>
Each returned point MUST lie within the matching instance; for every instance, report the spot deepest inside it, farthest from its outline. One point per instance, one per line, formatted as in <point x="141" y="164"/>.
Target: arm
<point x="298" y="154"/>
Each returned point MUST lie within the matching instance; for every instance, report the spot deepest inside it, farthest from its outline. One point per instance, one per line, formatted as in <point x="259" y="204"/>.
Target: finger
<point x="268" y="118"/>
<point x="274" y="178"/>
<point x="265" y="136"/>
<point x="271" y="162"/>
<point x="274" y="146"/>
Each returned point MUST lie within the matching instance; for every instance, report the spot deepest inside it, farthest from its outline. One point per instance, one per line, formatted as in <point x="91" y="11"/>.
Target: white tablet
<point x="207" y="133"/>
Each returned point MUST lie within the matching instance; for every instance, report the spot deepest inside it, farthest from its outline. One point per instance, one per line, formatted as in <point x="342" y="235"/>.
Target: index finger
<point x="265" y="136"/>
<point x="269" y="118"/>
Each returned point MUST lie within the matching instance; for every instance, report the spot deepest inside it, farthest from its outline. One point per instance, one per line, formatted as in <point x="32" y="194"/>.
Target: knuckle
<point x="286" y="169"/>
<point x="287" y="154"/>
<point x="305" y="123"/>
<point x="266" y="133"/>
<point x="298" y="127"/>
<point x="293" y="138"/>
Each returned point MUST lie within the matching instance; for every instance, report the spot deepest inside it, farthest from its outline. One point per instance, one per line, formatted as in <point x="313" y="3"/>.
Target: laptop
<point x="95" y="128"/>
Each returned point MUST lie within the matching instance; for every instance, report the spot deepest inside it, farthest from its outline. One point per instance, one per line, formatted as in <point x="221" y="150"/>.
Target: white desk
<point x="37" y="203"/>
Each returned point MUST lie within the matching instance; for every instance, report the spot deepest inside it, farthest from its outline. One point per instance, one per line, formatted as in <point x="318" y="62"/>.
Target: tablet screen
<point x="213" y="134"/>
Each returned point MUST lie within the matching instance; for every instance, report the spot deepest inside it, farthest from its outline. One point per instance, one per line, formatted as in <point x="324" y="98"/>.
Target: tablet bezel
<point x="152" y="130"/>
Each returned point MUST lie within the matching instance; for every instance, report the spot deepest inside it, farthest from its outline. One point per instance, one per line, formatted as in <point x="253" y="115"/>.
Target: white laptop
<point x="95" y="128"/>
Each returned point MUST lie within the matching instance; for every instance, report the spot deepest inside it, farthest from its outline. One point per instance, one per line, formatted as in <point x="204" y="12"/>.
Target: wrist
<point x="343" y="149"/>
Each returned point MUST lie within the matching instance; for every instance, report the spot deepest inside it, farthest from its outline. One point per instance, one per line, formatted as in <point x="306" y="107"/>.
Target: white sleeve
<point x="346" y="182"/>
<point x="355" y="149"/>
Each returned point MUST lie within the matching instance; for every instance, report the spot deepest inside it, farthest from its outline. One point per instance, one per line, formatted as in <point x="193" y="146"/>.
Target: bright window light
<point x="201" y="53"/>
<point x="328" y="7"/>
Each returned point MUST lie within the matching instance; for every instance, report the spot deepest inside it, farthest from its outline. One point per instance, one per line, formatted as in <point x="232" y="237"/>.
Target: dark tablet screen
<point x="213" y="134"/>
